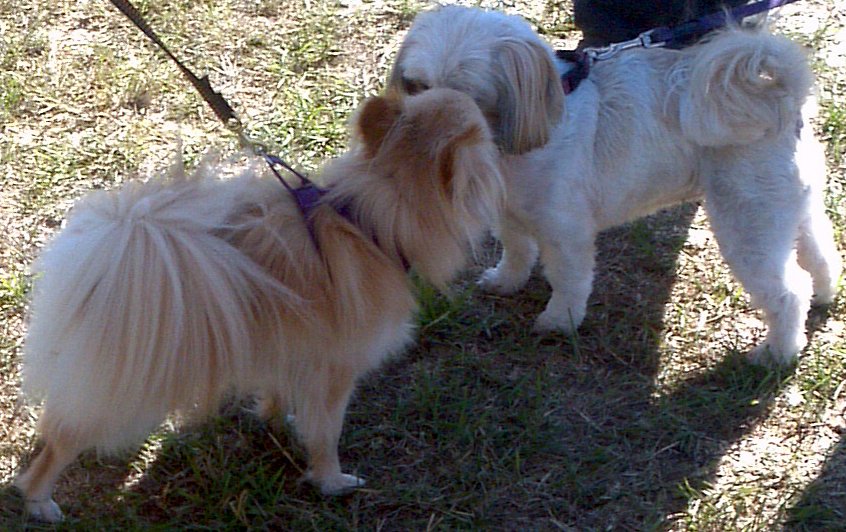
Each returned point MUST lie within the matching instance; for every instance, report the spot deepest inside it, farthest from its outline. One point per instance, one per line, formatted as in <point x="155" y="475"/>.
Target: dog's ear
<point x="449" y="157"/>
<point x="394" y="85"/>
<point x="375" y="119"/>
<point x="469" y="173"/>
<point x="530" y="97"/>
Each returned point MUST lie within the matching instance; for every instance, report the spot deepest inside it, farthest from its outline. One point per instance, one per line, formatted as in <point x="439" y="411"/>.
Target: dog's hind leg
<point x="38" y="481"/>
<point x="778" y="285"/>
<point x="784" y="296"/>
<point x="519" y="254"/>
<point x="756" y="225"/>
<point x="319" y="417"/>
<point x="818" y="254"/>
<point x="816" y="245"/>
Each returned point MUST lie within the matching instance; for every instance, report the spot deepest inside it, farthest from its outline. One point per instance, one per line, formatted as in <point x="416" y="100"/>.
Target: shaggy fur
<point x="167" y="295"/>
<point x="506" y="69"/>
<point x="649" y="129"/>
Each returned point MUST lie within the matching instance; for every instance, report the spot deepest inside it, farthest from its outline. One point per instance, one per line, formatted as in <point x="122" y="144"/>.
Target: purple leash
<point x="696" y="28"/>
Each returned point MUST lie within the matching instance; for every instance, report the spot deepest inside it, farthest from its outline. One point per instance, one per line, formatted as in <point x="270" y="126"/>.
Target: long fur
<point x="166" y="296"/>
<point x="509" y="73"/>
<point x="720" y="120"/>
<point x="742" y="89"/>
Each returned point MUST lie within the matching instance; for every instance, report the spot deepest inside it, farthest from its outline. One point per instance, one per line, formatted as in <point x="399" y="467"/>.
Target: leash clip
<point x="246" y="142"/>
<point x="644" y="40"/>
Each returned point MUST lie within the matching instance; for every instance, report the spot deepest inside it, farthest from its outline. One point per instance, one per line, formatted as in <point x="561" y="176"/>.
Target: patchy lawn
<point x="649" y="419"/>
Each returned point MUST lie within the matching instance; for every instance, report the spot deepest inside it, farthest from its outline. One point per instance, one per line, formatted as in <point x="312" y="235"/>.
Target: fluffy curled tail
<point x="140" y="309"/>
<point x="743" y="86"/>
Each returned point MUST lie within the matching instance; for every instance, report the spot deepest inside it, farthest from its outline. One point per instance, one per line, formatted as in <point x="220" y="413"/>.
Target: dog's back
<point x="657" y="114"/>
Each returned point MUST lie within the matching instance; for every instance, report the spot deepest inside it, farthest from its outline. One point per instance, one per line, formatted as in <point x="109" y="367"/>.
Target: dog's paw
<point x="548" y="322"/>
<point x="495" y="281"/>
<point x="825" y="296"/>
<point x="46" y="511"/>
<point x="765" y="355"/>
<point x="339" y="484"/>
<point x="265" y="408"/>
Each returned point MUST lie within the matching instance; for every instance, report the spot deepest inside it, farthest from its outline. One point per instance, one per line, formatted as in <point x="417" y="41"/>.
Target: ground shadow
<point x="822" y="505"/>
<point x="635" y="455"/>
<point x="482" y="426"/>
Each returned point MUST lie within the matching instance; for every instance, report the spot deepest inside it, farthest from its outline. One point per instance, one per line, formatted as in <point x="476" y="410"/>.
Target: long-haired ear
<point x="530" y="96"/>
<point x="394" y="85"/>
<point x="448" y="155"/>
<point x="468" y="170"/>
<point x="375" y="119"/>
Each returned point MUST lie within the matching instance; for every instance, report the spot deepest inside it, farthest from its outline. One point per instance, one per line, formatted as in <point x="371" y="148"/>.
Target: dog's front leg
<point x="568" y="262"/>
<point x="319" y="418"/>
<point x="519" y="254"/>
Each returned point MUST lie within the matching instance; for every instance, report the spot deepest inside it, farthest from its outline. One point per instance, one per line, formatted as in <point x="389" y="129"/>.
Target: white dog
<point x="646" y="130"/>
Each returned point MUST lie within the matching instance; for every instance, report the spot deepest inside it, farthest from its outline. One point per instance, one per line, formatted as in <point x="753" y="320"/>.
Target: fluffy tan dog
<point x="166" y="296"/>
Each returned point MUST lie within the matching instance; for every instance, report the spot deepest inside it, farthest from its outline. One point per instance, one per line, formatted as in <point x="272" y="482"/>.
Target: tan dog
<point x="165" y="296"/>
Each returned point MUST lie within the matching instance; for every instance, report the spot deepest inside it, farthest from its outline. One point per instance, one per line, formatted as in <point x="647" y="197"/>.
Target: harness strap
<point x="345" y="210"/>
<point x="579" y="70"/>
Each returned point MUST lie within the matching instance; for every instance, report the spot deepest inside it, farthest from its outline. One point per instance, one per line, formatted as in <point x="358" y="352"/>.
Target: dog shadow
<point x="822" y="505"/>
<point x="660" y="447"/>
<point x="613" y="449"/>
<point x="181" y="474"/>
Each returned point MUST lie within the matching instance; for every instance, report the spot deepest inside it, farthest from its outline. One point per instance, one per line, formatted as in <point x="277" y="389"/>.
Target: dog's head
<point x="425" y="178"/>
<point x="496" y="59"/>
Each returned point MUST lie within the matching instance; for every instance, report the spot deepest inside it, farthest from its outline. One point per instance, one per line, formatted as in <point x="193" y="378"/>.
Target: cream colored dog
<point x="648" y="129"/>
<point x="165" y="296"/>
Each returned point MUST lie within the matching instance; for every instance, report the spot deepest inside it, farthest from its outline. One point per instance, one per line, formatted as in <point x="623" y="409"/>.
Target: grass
<point x="834" y="130"/>
<point x="648" y="419"/>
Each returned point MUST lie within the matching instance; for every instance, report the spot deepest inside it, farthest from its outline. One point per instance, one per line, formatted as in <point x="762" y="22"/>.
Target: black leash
<point x="659" y="37"/>
<point x="215" y="100"/>
<point x="307" y="195"/>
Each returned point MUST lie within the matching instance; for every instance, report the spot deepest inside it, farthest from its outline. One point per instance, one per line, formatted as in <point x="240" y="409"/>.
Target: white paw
<point x="494" y="281"/>
<point x="765" y="355"/>
<point x="824" y="297"/>
<point x="46" y="511"/>
<point x="339" y="484"/>
<point x="549" y="321"/>
<point x="552" y="322"/>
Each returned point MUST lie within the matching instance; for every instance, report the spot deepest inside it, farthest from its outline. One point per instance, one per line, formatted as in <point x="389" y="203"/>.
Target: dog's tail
<point x="743" y="86"/>
<point x="141" y="309"/>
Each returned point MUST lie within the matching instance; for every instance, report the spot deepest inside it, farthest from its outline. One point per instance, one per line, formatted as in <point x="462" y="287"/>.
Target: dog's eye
<point x="413" y="86"/>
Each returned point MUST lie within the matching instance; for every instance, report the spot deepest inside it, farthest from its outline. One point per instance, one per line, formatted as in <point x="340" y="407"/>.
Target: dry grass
<point x="649" y="419"/>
